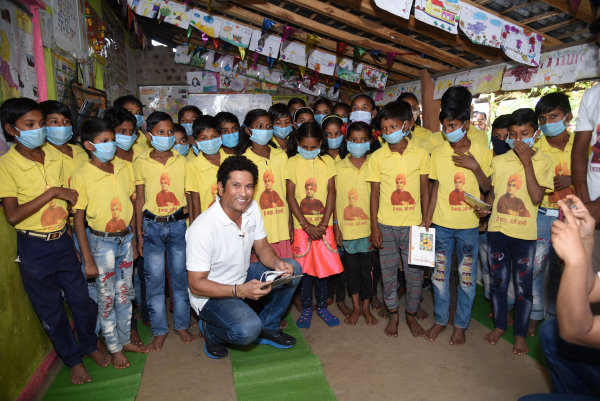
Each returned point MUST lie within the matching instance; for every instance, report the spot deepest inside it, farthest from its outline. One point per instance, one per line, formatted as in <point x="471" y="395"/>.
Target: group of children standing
<point x="339" y="188"/>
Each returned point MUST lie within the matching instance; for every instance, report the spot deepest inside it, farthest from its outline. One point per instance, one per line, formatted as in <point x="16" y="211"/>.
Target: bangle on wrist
<point x="233" y="291"/>
<point x="323" y="225"/>
<point x="242" y="291"/>
<point x="305" y="224"/>
<point x="90" y="265"/>
<point x="335" y="222"/>
<point x="140" y="239"/>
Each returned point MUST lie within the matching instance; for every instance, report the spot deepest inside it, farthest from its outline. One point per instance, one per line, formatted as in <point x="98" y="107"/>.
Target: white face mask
<point x="416" y="114"/>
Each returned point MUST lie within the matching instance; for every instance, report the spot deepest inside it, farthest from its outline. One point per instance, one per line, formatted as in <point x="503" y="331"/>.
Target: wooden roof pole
<point x="430" y="118"/>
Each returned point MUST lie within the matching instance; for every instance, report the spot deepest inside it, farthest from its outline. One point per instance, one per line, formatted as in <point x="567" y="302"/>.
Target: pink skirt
<point x="317" y="258"/>
<point x="283" y="249"/>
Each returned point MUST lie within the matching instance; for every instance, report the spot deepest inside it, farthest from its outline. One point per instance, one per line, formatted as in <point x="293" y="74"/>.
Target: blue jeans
<point x="508" y="257"/>
<point x="485" y="266"/>
<point x="232" y="321"/>
<point x="543" y="249"/>
<point x="466" y="242"/>
<point x="169" y="238"/>
<point x="114" y="259"/>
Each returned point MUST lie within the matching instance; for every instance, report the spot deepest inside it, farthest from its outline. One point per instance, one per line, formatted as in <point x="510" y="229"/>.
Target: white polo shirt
<point x="216" y="245"/>
<point x="589" y="120"/>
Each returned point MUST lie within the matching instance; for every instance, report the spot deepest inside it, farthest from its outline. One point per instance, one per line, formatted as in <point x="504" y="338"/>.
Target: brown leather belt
<point x="45" y="236"/>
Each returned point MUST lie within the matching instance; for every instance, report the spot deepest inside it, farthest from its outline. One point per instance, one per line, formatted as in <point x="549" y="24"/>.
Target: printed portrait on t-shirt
<point x="270" y="199"/>
<point x="213" y="191"/>
<point x="53" y="215"/>
<point x="596" y="147"/>
<point x="559" y="170"/>
<point x="353" y="212"/>
<point x="509" y="203"/>
<point x="400" y="196"/>
<point x="116" y="223"/>
<point x="457" y="197"/>
<point x="310" y="205"/>
<point x="165" y="197"/>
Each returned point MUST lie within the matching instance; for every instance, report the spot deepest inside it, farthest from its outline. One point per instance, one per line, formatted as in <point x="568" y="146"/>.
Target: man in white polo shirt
<point x="220" y="276"/>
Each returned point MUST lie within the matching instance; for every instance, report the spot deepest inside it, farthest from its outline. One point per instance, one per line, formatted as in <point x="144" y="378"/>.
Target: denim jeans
<point x="232" y="321"/>
<point x="91" y="284"/>
<point x="114" y="259"/>
<point x="466" y="242"/>
<point x="158" y="239"/>
<point x="485" y="265"/>
<point x="542" y="260"/>
<point x="508" y="257"/>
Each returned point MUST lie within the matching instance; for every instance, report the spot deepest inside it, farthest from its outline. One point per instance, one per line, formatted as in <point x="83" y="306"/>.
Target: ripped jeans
<point x="466" y="242"/>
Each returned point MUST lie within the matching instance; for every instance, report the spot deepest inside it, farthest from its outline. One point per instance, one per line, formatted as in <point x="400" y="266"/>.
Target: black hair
<point x="179" y="128"/>
<point x="501" y="122"/>
<point x="396" y="110"/>
<point x="203" y="123"/>
<point x="92" y="127"/>
<point x="324" y="101"/>
<point x="56" y="107"/>
<point x="279" y="110"/>
<point x="369" y="98"/>
<point x="188" y="108"/>
<point x="457" y="96"/>
<point x="359" y="126"/>
<point x="303" y="110"/>
<point x="345" y="106"/>
<point x="410" y="95"/>
<point x="553" y="101"/>
<point x="245" y="140"/>
<point x="481" y="112"/>
<point x="116" y="116"/>
<point x="296" y="100"/>
<point x="236" y="163"/>
<point x="123" y="100"/>
<point x="523" y="116"/>
<point x="309" y="129"/>
<point x="15" y="108"/>
<point x="155" y="118"/>
<point x="226" y="117"/>
<point x="595" y="26"/>
<point x="332" y="119"/>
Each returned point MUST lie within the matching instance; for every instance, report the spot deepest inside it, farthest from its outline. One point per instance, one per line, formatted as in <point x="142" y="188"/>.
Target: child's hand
<point x="136" y="254"/>
<point x="140" y="247"/>
<point x="483" y="225"/>
<point x="376" y="239"/>
<point x="426" y="223"/>
<point x="481" y="212"/>
<point x="313" y="232"/>
<point x="566" y="238"/>
<point x="465" y="160"/>
<point x="562" y="182"/>
<point x="582" y="217"/>
<point x="91" y="272"/>
<point x="66" y="194"/>
<point x="523" y="151"/>
<point x="338" y="235"/>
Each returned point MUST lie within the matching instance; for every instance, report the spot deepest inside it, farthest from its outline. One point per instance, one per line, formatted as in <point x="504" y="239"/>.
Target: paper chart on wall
<point x="442" y="84"/>
<point x="47" y="28"/>
<point x="346" y="71"/>
<point x="65" y="71"/>
<point x="209" y="24"/>
<point x="521" y="44"/>
<point x="175" y="13"/>
<point x="83" y="28"/>
<point x="443" y="14"/>
<point x="316" y="89"/>
<point x="145" y="8"/>
<point x="322" y="62"/>
<point x="294" y="53"/>
<point x="210" y="64"/>
<point x="181" y="56"/>
<point x="267" y="87"/>
<point x="203" y="82"/>
<point x="248" y="69"/>
<point x="193" y="79"/>
<point x="239" y="83"/>
<point x="489" y="79"/>
<point x="590" y="67"/>
<point x="467" y="79"/>
<point x="559" y="67"/>
<point x="374" y="78"/>
<point x="400" y="8"/>
<point x="168" y="99"/>
<point x="268" y="45"/>
<point x="411" y="87"/>
<point x="235" y="34"/>
<point x="272" y="76"/>
<point x="198" y="60"/>
<point x="382" y="97"/>
<point x="65" y="18"/>
<point x="291" y="82"/>
<point x="227" y="68"/>
<point x="331" y="94"/>
<point x="518" y="76"/>
<point x="481" y="27"/>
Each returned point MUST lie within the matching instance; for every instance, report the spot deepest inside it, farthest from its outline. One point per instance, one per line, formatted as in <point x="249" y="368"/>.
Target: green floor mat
<point x="481" y="309"/>
<point x="107" y="383"/>
<point x="262" y="372"/>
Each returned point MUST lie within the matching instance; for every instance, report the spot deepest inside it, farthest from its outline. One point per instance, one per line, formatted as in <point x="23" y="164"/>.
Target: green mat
<point x="269" y="373"/>
<point x="107" y="383"/>
<point x="481" y="309"/>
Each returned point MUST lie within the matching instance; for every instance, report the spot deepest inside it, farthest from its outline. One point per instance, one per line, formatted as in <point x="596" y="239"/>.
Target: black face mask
<point x="500" y="146"/>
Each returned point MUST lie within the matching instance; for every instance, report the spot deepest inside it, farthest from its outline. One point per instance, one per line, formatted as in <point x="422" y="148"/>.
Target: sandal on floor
<point x="328" y="317"/>
<point x="304" y="320"/>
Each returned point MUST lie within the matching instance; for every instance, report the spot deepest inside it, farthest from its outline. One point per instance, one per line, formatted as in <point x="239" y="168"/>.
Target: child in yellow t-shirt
<point x="417" y="130"/>
<point x="302" y="115"/>
<point x="282" y="124"/>
<point x="160" y="198"/>
<point x="310" y="191"/>
<point x="186" y="117"/>
<point x="520" y="178"/>
<point x="229" y="128"/>
<point x="399" y="196"/>
<point x="133" y="105"/>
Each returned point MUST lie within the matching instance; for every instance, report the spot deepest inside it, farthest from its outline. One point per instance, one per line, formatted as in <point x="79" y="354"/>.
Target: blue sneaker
<point x="212" y="350"/>
<point x="276" y="339"/>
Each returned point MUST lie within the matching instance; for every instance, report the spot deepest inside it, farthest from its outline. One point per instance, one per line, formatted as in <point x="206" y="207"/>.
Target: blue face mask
<point x="528" y="141"/>
<point x="553" y="129"/>
<point x="59" y="135"/>
<point x="335" y="142"/>
<point x="140" y="120"/>
<point x="210" y="147"/>
<point x="319" y="118"/>
<point x="261" y="136"/>
<point x="345" y="120"/>
<point x="395" y="137"/>
<point x="308" y="154"/>
<point x="455" y="135"/>
<point x="105" y="151"/>
<point x="282" y="133"/>
<point x="231" y="140"/>
<point x="163" y="143"/>
<point x="299" y="124"/>
<point x="188" y="128"/>
<point x="34" y="138"/>
<point x="358" y="149"/>
<point x="361" y="115"/>
<point x="125" y="142"/>
<point x="182" y="149"/>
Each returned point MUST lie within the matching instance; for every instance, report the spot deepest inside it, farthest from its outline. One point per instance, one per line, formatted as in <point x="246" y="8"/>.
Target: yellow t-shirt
<point x="473" y="133"/>
<point x="561" y="165"/>
<point x="70" y="164"/>
<point x="513" y="214"/>
<point x="311" y="178"/>
<point x="141" y="144"/>
<point x="272" y="203"/>
<point x="164" y="187"/>
<point x="451" y="210"/>
<point x="352" y="200"/>
<point x="419" y="141"/>
<point x="130" y="166"/>
<point x="191" y="155"/>
<point x="400" y="188"/>
<point x="105" y="197"/>
<point x="26" y="180"/>
<point x="422" y="133"/>
<point x="201" y="177"/>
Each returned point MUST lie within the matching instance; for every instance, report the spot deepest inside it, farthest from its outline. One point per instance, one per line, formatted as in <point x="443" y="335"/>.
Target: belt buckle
<point x="53" y="236"/>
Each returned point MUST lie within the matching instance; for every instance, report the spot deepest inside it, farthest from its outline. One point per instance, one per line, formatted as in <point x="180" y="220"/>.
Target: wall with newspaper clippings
<point x="168" y="99"/>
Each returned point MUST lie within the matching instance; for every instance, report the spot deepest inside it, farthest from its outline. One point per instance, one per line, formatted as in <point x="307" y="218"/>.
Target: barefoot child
<point x="398" y="173"/>
<point x="106" y="190"/>
<point x="416" y="129"/>
<point x="295" y="103"/>
<point x="282" y="124"/>
<point x="333" y="128"/>
<point x="351" y="219"/>
<point x="229" y="128"/>
<point x="133" y="105"/>
<point x="323" y="108"/>
<point x="519" y="181"/>
<point x="36" y="205"/>
<point x="160" y="199"/>
<point x="458" y="165"/>
<point x="310" y="192"/>
<point x="343" y="110"/>
<point x="303" y="115"/>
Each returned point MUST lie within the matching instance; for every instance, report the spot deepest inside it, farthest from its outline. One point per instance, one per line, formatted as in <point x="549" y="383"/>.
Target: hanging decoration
<point x="236" y="60"/>
<point x="226" y="46"/>
<point x="209" y="7"/>
<point x="242" y="52"/>
<point x="327" y="83"/>
<point x="341" y="47"/>
<point x="391" y="56"/>
<point x="191" y="49"/>
<point x="97" y="43"/>
<point x="375" y="54"/>
<point x="267" y="24"/>
<point x="311" y="40"/>
<point x="338" y="85"/>
<point x="358" y="51"/>
<point x="204" y="38"/>
<point x="314" y="79"/>
<point x="254" y="59"/>
<point x="302" y="71"/>
<point x="270" y="60"/>
<point x="216" y="43"/>
<point x="189" y="31"/>
<point x="201" y="51"/>
<point x="287" y="32"/>
<point x="286" y="71"/>
<point x="216" y="57"/>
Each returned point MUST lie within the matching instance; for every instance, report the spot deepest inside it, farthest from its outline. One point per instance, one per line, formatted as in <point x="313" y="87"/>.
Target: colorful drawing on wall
<point x="400" y="8"/>
<point x="443" y="14"/>
<point x="248" y="69"/>
<point x="271" y="76"/>
<point x="346" y="71"/>
<point x="374" y="78"/>
<point x="467" y="79"/>
<point x="481" y="27"/>
<point x="194" y="79"/>
<point x="322" y="62"/>
<point x="209" y="24"/>
<point x="93" y="35"/>
<point x="316" y="89"/>
<point x="66" y="25"/>
<point x="238" y="83"/>
<point x="210" y="82"/>
<point x="442" y="84"/>
<point x="169" y="99"/>
<point x="268" y="45"/>
<point x="198" y="60"/>
<point x="559" y="67"/>
<point x="521" y="45"/>
<point x="145" y="8"/>
<point x="489" y="79"/>
<point x="291" y="82"/>
<point x="181" y="56"/>
<point x="411" y="87"/>
<point x="267" y="87"/>
<point x="518" y="76"/>
<point x="293" y="53"/>
<point x="210" y="64"/>
<point x="175" y="13"/>
<point x="235" y="34"/>
<point x="65" y="71"/>
<point x="331" y="94"/>
<point x="590" y="67"/>
<point x="227" y="68"/>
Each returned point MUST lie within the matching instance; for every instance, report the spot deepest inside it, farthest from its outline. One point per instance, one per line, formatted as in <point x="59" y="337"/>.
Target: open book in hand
<point x="476" y="202"/>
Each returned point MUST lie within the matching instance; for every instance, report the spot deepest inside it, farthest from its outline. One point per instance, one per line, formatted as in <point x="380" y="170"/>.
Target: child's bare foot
<point x="451" y="319"/>
<point x="384" y="314"/>
<point x="102" y="359"/>
<point x="491" y="314"/>
<point x="79" y="375"/>
<point x="533" y="324"/>
<point x="458" y="337"/>
<point x="509" y="320"/>
<point x="140" y="349"/>
<point x="283" y="324"/>
<point x="298" y="303"/>
<point x="186" y="336"/>
<point x="376" y="304"/>
<point x="391" y="329"/>
<point x="415" y="328"/>
<point x="120" y="361"/>
<point x="329" y="301"/>
<point x="371" y="321"/>
<point x="520" y="347"/>
<point x="434" y="332"/>
<point x="192" y="321"/>
<point x="344" y="308"/>
<point x="493" y="337"/>
<point x="102" y="346"/>
<point x="200" y="336"/>
<point x="157" y="343"/>
<point x="421" y="314"/>
<point x="353" y="317"/>
<point x="135" y="337"/>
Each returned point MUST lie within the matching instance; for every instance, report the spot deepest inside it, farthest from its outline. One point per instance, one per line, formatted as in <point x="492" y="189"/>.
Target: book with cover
<point x="476" y="202"/>
<point x="421" y="251"/>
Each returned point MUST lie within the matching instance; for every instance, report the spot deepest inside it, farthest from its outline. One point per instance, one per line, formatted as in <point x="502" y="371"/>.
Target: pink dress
<point x="317" y="258"/>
